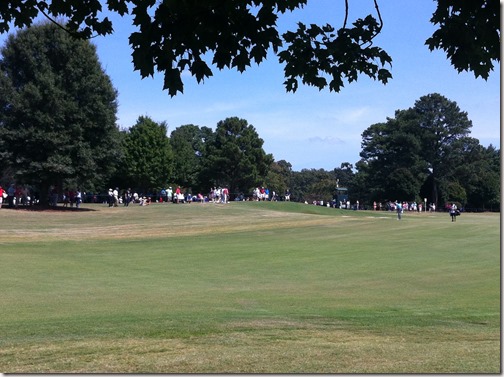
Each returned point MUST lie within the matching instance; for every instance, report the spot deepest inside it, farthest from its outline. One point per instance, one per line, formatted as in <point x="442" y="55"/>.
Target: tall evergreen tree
<point x="57" y="110"/>
<point x="188" y="143"/>
<point x="236" y="158"/>
<point x="424" y="146"/>
<point x="440" y="124"/>
<point x="148" y="155"/>
<point x="391" y="155"/>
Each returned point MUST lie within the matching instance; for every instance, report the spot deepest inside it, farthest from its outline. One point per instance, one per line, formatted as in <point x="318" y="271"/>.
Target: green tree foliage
<point x="485" y="189"/>
<point x="390" y="153"/>
<point x="235" y="157"/>
<point x="441" y="123"/>
<point x="309" y="184"/>
<point x="279" y="177"/>
<point x="426" y="151"/>
<point x="477" y="172"/>
<point x="148" y="155"/>
<point x="469" y="33"/>
<point x="313" y="184"/>
<point x="57" y="111"/>
<point x="344" y="174"/>
<point x="188" y="144"/>
<point x="178" y="35"/>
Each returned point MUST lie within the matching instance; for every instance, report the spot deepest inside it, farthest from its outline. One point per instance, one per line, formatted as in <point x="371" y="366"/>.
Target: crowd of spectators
<point x="19" y="195"/>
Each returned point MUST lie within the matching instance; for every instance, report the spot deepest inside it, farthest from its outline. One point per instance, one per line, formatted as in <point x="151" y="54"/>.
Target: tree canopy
<point x="426" y="151"/>
<point x="235" y="157"/>
<point x="189" y="144"/>
<point x="177" y="35"/>
<point x="57" y="111"/>
<point x="147" y="161"/>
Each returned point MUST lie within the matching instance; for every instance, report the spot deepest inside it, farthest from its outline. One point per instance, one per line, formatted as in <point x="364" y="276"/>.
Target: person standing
<point x="116" y="196"/>
<point x="110" y="197"/>
<point x="18" y="195"/>
<point x="71" y="197"/>
<point x="54" y="196"/>
<point x="2" y="192"/>
<point x="169" y="194"/>
<point x="78" y="197"/>
<point x="287" y="195"/>
<point x="11" y="192"/>
<point x="66" y="197"/>
<point x="162" y="196"/>
<point x="225" y="195"/>
<point x="177" y="194"/>
<point x="399" y="210"/>
<point x="454" y="212"/>
<point x="127" y="197"/>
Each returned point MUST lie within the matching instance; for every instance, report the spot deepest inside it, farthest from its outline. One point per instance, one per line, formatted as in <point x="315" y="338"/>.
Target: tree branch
<point x="380" y="26"/>
<point x="346" y="14"/>
<point x="379" y="17"/>
<point x="75" y="34"/>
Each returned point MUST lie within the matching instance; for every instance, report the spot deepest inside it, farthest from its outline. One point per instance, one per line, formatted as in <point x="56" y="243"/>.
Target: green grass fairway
<point x="248" y="288"/>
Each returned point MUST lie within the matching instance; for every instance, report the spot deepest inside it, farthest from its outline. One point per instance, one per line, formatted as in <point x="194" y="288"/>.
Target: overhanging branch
<point x="74" y="34"/>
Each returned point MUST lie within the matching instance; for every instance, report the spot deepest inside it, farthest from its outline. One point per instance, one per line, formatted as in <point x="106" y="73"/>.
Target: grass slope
<point x="248" y="287"/>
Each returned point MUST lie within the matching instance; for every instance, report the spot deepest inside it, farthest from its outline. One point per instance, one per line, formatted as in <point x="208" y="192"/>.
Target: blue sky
<point x="311" y="128"/>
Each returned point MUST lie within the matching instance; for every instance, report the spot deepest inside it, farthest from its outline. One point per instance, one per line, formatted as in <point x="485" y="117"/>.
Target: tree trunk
<point x="435" y="192"/>
<point x="44" y="195"/>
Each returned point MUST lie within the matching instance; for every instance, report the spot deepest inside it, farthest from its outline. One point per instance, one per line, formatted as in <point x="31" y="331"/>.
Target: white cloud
<point x="329" y="140"/>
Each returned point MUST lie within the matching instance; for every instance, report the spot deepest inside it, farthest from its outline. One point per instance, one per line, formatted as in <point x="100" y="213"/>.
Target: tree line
<point x="58" y="129"/>
<point x="192" y="157"/>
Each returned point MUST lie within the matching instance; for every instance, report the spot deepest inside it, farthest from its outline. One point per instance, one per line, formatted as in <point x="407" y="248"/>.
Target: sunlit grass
<point x="248" y="287"/>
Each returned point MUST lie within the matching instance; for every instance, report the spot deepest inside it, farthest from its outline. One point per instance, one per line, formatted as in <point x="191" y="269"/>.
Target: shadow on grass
<point x="47" y="208"/>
